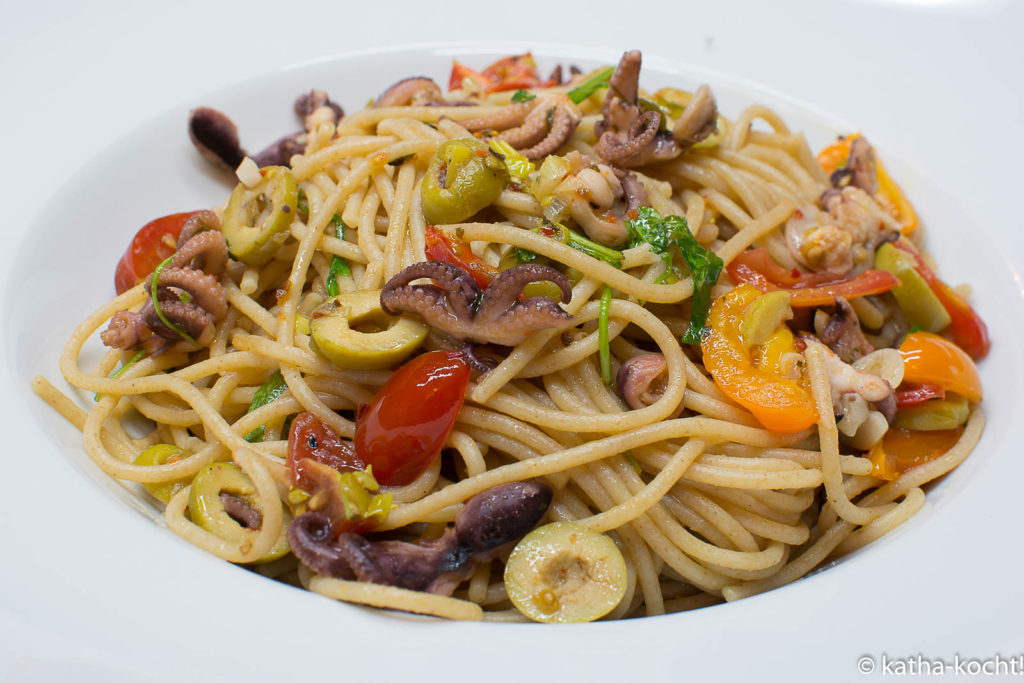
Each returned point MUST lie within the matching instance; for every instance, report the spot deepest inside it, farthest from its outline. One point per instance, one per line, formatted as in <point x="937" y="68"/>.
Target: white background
<point x="936" y="85"/>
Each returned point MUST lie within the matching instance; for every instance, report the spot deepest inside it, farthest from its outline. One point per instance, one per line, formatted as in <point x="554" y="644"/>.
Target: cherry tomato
<point x="508" y="73"/>
<point x="903" y="449"/>
<point x="401" y="432"/>
<point x="910" y="394"/>
<point x="779" y="403"/>
<point x="440" y="246"/>
<point x="153" y="243"/>
<point x="310" y="441"/>
<point x="931" y="359"/>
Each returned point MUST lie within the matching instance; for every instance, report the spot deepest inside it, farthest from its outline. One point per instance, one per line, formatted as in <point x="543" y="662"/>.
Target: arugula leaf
<point x="591" y="85"/>
<point x="705" y="266"/>
<point x="338" y="264"/>
<point x="603" y="348"/>
<point x="269" y="391"/>
<point x="522" y="96"/>
<point x="121" y="370"/>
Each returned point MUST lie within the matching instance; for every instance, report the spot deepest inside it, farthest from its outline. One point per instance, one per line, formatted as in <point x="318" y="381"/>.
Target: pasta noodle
<point x="705" y="500"/>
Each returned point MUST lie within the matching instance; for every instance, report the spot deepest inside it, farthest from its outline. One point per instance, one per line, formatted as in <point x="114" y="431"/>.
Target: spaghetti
<point x="695" y="460"/>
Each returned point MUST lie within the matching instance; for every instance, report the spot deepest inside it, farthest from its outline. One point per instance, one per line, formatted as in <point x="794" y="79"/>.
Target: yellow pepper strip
<point x="889" y="196"/>
<point x="778" y="403"/>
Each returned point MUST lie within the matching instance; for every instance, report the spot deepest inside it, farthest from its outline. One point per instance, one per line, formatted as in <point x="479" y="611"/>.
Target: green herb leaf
<point x="631" y="459"/>
<point x="705" y="266"/>
<point x="581" y="243"/>
<point x="591" y="85"/>
<point x="270" y="390"/>
<point x="522" y="96"/>
<point x="121" y="370"/>
<point x="603" y="348"/>
<point x="338" y="265"/>
<point x="398" y="161"/>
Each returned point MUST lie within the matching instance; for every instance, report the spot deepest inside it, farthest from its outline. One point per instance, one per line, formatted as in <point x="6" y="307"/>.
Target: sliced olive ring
<point x="162" y="454"/>
<point x="565" y="572"/>
<point x="353" y="331"/>
<point x="463" y="177"/>
<point x="257" y="219"/>
<point x="207" y="509"/>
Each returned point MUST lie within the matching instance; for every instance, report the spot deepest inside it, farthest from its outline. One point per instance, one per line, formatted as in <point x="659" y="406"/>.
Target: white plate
<point x="98" y="592"/>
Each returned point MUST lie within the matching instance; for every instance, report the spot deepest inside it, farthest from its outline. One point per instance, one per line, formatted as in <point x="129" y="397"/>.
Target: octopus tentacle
<point x="206" y="251"/>
<point x="563" y="122"/>
<point x="500" y="319"/>
<point x="456" y="288"/>
<point x="200" y="221"/>
<point x="504" y="118"/>
<point x="202" y="287"/>
<point x="415" y="90"/>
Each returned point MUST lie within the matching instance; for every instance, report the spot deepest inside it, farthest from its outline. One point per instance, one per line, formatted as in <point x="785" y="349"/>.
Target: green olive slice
<point x="565" y="572"/>
<point x="256" y="220"/>
<point x="946" y="413"/>
<point x="162" y="454"/>
<point x="917" y="300"/>
<point x="353" y="331"/>
<point x="463" y="177"/>
<point x="206" y="507"/>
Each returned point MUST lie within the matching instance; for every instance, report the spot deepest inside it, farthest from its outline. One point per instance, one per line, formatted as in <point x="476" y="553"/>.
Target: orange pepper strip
<point x="903" y="449"/>
<point x="778" y="403"/>
<point x="931" y="359"/>
<point x="889" y="196"/>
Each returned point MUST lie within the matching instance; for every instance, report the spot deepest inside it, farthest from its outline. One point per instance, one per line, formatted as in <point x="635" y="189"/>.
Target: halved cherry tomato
<point x="931" y="359"/>
<point x="903" y="449"/>
<point x="153" y="243"/>
<point x="889" y="196"/>
<point x="779" y="403"/>
<point x="440" y="246"/>
<point x="508" y="73"/>
<point x="312" y="441"/>
<point x="404" y="428"/>
<point x="755" y="267"/>
<point x="910" y="394"/>
<point x="966" y="327"/>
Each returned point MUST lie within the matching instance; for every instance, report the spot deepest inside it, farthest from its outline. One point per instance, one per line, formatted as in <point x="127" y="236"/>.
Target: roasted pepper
<point x="929" y="359"/>
<point x="779" y="403"/>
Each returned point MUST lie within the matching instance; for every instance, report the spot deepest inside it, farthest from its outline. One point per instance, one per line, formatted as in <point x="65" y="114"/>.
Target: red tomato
<point x="310" y="441"/>
<point x="401" y="432"/>
<point x="152" y="244"/>
<point x="910" y="394"/>
<point x="755" y="267"/>
<point x="440" y="246"/>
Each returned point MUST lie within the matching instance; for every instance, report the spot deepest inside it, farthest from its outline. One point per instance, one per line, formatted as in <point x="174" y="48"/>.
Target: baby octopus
<point x="455" y="304"/>
<point x="188" y="294"/>
<point x="629" y="136"/>
<point x="488" y="523"/>
<point x="535" y="128"/>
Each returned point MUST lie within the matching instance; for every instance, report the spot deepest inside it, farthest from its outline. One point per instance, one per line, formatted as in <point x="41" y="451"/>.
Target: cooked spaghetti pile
<point x="558" y="349"/>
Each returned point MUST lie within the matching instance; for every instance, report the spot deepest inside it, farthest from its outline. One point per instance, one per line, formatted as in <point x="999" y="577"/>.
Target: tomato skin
<point x="311" y="442"/>
<point x="440" y="246"/>
<point x="931" y="359"/>
<point x="806" y="290"/>
<point x="153" y="243"/>
<point x="405" y="426"/>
